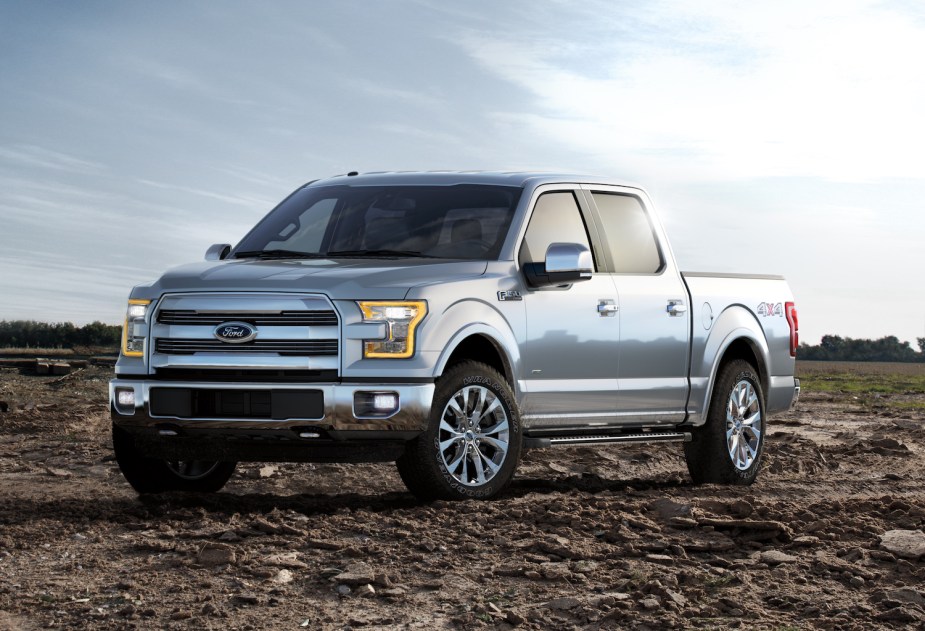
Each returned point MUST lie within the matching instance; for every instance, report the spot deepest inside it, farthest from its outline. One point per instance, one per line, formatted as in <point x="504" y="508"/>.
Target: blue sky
<point x="779" y="139"/>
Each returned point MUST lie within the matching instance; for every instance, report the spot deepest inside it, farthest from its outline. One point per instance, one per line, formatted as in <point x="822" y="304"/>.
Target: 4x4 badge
<point x="512" y="294"/>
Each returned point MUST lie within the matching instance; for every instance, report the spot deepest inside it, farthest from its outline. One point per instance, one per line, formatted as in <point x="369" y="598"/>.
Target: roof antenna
<point x="352" y="173"/>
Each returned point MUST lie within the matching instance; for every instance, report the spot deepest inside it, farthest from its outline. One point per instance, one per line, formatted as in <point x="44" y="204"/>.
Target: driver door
<point x="572" y="335"/>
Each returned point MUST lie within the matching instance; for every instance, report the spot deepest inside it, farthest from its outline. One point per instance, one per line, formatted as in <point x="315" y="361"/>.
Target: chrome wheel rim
<point x="474" y="435"/>
<point x="744" y="425"/>
<point x="191" y="469"/>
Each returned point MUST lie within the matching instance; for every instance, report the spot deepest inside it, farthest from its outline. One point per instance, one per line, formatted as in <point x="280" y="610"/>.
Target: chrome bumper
<point x="338" y="415"/>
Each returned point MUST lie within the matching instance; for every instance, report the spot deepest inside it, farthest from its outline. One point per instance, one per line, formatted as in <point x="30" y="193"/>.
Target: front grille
<point x="291" y="348"/>
<point x="279" y="318"/>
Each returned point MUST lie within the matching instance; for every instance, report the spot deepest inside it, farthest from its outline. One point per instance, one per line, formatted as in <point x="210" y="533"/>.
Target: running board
<point x="644" y="437"/>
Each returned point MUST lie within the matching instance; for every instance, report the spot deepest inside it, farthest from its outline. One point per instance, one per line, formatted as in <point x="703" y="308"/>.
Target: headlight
<point x="136" y="329"/>
<point x="401" y="319"/>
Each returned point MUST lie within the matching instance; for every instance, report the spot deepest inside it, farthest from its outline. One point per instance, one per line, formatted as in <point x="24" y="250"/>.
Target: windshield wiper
<point x="380" y="254"/>
<point x="277" y="254"/>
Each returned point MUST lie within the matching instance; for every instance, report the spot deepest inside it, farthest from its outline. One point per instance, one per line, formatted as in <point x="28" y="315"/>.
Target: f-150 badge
<point x="767" y="309"/>
<point x="512" y="294"/>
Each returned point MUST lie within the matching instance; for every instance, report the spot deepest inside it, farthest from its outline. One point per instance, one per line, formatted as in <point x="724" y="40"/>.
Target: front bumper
<point x="333" y="431"/>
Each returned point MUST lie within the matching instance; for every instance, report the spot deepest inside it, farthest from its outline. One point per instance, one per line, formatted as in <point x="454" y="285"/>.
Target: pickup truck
<point x="447" y="321"/>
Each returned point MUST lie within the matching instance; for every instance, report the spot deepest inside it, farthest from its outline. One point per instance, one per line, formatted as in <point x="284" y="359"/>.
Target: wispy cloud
<point x="239" y="200"/>
<point x="415" y="98"/>
<point x="21" y="155"/>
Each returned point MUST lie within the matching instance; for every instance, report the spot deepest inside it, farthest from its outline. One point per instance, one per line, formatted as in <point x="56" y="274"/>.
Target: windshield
<point x="465" y="221"/>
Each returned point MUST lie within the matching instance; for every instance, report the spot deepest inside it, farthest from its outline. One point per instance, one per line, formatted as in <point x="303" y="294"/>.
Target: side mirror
<point x="565" y="263"/>
<point x="218" y="252"/>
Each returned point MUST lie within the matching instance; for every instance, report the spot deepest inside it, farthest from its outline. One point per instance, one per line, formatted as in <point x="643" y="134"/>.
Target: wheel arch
<point x="480" y="343"/>
<point x="736" y="334"/>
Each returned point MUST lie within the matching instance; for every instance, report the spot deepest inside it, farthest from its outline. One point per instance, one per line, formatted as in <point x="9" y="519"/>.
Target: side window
<point x="628" y="234"/>
<point x="556" y="219"/>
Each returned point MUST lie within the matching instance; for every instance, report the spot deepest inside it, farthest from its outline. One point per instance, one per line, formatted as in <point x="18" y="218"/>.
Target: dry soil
<point x="611" y="537"/>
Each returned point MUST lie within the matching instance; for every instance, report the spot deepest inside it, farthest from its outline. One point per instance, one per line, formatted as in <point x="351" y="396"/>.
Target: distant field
<point x="808" y="368"/>
<point x="890" y="384"/>
<point x="77" y="352"/>
<point x="36" y="352"/>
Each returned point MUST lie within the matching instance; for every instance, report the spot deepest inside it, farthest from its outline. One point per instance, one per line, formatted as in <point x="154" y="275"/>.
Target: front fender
<point x="466" y="318"/>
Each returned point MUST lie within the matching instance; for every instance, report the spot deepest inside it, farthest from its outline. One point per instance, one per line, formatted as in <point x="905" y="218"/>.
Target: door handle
<point x="607" y="308"/>
<point x="676" y="308"/>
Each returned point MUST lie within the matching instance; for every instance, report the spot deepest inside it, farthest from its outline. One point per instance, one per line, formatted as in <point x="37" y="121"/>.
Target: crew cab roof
<point x="450" y="178"/>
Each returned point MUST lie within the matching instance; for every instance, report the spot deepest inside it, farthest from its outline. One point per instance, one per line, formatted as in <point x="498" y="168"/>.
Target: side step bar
<point x="644" y="437"/>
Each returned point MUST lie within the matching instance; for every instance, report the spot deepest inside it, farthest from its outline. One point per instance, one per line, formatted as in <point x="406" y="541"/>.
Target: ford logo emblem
<point x="235" y="332"/>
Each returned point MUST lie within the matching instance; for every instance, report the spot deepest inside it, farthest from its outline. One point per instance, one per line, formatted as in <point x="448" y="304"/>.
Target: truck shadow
<point x="148" y="510"/>
<point x="591" y="483"/>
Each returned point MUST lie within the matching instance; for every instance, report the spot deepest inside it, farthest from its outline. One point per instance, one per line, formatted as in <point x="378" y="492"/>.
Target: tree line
<point x="885" y="349"/>
<point x="32" y="334"/>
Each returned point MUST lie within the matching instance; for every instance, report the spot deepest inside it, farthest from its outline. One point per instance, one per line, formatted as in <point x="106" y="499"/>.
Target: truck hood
<point x="340" y="279"/>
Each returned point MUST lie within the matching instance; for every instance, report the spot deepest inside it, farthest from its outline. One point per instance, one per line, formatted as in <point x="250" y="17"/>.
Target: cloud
<point x="722" y="92"/>
<point x="25" y="155"/>
<point x="240" y="200"/>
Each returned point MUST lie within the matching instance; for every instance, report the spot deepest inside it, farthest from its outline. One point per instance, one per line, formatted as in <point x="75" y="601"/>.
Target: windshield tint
<point x="465" y="221"/>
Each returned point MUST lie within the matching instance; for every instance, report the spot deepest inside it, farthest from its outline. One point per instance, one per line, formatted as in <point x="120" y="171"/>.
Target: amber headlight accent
<point x="401" y="319"/>
<point x="135" y="330"/>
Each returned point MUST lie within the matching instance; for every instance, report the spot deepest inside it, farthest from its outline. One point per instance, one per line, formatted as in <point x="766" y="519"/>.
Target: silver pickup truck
<point x="447" y="321"/>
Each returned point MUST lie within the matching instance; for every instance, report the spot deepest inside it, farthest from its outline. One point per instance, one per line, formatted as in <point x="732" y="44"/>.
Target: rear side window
<point x="628" y="234"/>
<point x="556" y="219"/>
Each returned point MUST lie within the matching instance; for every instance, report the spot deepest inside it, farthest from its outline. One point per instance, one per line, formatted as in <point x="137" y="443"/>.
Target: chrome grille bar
<point x="279" y="318"/>
<point x="302" y="348"/>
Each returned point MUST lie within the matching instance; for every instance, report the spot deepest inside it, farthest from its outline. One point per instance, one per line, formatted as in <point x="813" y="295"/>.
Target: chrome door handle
<point x="676" y="308"/>
<point x="607" y="308"/>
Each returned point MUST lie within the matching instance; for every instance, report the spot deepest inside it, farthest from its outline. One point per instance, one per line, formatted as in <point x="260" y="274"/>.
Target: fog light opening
<point x="125" y="401"/>
<point x="375" y="404"/>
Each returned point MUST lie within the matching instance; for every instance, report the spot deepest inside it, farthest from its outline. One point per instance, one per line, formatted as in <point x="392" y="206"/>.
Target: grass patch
<point x="863" y="384"/>
<point x="874" y="383"/>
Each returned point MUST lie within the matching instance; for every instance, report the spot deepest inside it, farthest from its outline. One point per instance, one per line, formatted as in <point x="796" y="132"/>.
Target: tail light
<point x="790" y="310"/>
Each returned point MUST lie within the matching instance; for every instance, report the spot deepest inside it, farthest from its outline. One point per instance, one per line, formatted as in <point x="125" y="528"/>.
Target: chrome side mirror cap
<point x="218" y="252"/>
<point x="565" y="263"/>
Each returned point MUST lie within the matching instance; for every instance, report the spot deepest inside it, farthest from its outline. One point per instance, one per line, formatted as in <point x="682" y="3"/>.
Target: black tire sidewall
<point x="741" y="476"/>
<point x="422" y="466"/>
<point x="152" y="475"/>
<point x="707" y="454"/>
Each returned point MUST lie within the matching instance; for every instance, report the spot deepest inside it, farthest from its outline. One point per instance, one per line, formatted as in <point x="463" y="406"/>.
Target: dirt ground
<point x="609" y="537"/>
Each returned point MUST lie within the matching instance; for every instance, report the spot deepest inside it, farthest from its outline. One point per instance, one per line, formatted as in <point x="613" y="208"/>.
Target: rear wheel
<point x="151" y="475"/>
<point x="473" y="440"/>
<point x="727" y="449"/>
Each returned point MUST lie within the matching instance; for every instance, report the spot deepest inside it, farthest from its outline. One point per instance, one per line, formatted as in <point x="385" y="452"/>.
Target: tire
<point x="728" y="448"/>
<point x="151" y="475"/>
<point x="458" y="457"/>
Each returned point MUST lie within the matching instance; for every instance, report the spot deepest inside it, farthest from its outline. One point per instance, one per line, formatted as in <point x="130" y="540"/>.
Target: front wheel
<point x="472" y="443"/>
<point x="727" y="449"/>
<point x="150" y="475"/>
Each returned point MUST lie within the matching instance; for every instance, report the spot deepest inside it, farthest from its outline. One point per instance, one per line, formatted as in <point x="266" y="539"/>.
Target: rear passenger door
<point x="654" y="314"/>
<point x="569" y="356"/>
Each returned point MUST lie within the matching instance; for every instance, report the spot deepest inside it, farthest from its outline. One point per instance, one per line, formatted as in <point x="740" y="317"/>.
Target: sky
<point x="775" y="138"/>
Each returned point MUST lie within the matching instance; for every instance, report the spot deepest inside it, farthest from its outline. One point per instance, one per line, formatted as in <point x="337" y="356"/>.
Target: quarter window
<point x="628" y="234"/>
<point x="556" y="219"/>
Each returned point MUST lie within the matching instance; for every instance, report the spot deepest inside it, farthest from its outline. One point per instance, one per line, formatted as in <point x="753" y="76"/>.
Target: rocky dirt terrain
<point x="617" y="537"/>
